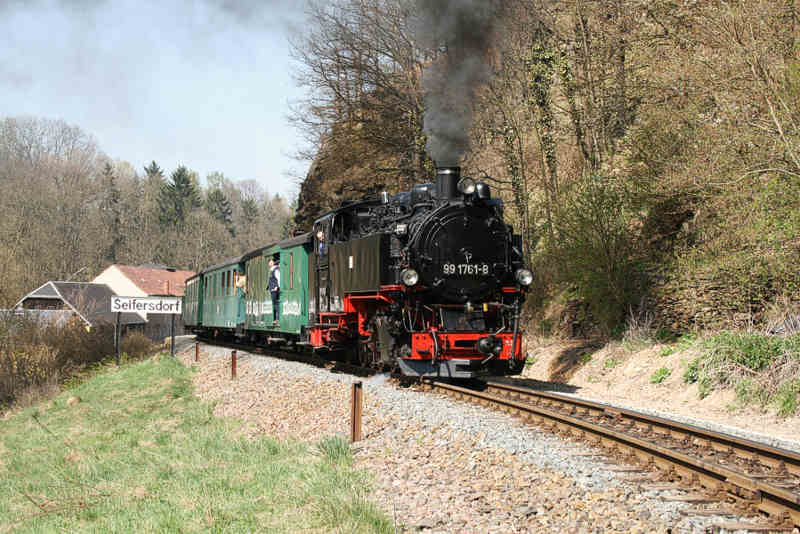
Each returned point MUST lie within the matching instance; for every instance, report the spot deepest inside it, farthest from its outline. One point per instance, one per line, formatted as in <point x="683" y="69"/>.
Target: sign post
<point x="158" y="305"/>
<point x="117" y="336"/>
<point x="172" y="335"/>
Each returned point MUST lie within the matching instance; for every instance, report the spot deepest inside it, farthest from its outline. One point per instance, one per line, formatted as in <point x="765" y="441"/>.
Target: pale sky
<point x="201" y="83"/>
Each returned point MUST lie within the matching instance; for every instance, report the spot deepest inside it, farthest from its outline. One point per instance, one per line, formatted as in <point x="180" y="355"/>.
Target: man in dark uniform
<point x="274" y="286"/>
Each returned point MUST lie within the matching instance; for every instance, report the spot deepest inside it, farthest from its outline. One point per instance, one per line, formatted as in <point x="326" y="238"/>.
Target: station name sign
<point x="146" y="304"/>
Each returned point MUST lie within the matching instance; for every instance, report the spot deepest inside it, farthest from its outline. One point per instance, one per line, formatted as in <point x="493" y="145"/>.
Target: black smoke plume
<point x="462" y="29"/>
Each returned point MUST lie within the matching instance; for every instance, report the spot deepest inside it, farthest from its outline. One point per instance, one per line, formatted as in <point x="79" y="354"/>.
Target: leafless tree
<point x="362" y="72"/>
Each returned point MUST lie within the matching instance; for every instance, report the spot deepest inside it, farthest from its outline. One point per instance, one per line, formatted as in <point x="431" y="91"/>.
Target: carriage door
<point x="322" y="235"/>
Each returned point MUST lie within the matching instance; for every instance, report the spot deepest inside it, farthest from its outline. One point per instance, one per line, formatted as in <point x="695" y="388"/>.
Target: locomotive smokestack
<point x="447" y="182"/>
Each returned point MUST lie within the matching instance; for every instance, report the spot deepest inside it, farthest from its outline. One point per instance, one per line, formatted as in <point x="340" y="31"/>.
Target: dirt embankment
<point x="621" y="374"/>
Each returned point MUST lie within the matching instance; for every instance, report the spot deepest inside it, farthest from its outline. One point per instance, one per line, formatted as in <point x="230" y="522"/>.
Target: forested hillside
<point x="648" y="151"/>
<point x="68" y="210"/>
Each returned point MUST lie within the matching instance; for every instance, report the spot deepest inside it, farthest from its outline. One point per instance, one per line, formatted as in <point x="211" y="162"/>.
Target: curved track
<point x="750" y="476"/>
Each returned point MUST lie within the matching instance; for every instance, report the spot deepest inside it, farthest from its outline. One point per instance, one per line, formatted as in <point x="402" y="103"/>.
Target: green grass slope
<point x="138" y="452"/>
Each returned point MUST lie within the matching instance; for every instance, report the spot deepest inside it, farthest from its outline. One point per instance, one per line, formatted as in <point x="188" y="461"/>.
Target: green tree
<point x="178" y="198"/>
<point x="111" y="212"/>
<point x="219" y="207"/>
<point x="153" y="171"/>
<point x="249" y="211"/>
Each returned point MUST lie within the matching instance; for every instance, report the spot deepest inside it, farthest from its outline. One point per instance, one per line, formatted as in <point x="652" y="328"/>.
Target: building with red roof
<point x="148" y="281"/>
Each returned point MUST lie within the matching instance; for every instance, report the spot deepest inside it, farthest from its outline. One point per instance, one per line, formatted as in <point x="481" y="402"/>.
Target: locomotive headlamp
<point x="466" y="186"/>
<point x="524" y="277"/>
<point x="401" y="229"/>
<point x="409" y="277"/>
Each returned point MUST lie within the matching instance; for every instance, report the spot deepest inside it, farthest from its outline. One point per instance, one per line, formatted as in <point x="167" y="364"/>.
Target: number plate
<point x="474" y="269"/>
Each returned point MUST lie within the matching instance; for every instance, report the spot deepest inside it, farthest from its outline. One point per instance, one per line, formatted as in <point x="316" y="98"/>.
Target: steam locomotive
<point x="428" y="282"/>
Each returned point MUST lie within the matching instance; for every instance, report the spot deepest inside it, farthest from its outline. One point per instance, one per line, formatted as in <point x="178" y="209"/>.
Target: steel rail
<point x="283" y="352"/>
<point x="767" y="454"/>
<point x="590" y="420"/>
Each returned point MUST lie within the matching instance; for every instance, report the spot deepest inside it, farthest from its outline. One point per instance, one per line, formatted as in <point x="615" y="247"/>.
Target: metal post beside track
<point x="355" y="412"/>
<point x="197" y="352"/>
<point x="233" y="364"/>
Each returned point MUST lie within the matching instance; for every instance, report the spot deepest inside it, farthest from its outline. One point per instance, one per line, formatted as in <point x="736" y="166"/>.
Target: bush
<point x="596" y="248"/>
<point x="136" y="345"/>
<point x="761" y="368"/>
<point x="750" y="350"/>
<point x="786" y="398"/>
<point x="660" y="375"/>
<point x="692" y="372"/>
<point x="24" y="361"/>
<point x="32" y="355"/>
<point x="79" y="346"/>
<point x="704" y="386"/>
<point x="23" y="367"/>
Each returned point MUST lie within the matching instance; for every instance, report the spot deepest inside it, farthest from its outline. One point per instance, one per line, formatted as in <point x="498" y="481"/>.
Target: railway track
<point x="750" y="478"/>
<point x="747" y="477"/>
<point x="295" y="353"/>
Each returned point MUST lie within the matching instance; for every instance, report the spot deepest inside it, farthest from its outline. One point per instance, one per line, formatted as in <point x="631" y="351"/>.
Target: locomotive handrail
<point x="377" y="296"/>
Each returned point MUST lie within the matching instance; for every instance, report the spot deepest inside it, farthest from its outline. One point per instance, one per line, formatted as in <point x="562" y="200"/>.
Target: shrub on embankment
<point x="760" y="367"/>
<point x="34" y="357"/>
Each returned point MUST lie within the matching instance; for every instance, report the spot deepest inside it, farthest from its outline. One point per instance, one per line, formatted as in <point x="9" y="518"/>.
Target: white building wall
<point x="120" y="284"/>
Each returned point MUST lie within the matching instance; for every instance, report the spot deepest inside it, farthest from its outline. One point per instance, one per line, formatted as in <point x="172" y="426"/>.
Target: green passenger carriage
<point x="193" y="302"/>
<point x="222" y="302"/>
<point x="292" y="256"/>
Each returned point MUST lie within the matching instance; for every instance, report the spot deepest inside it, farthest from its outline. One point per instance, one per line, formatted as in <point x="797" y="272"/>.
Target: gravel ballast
<point x="440" y="465"/>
